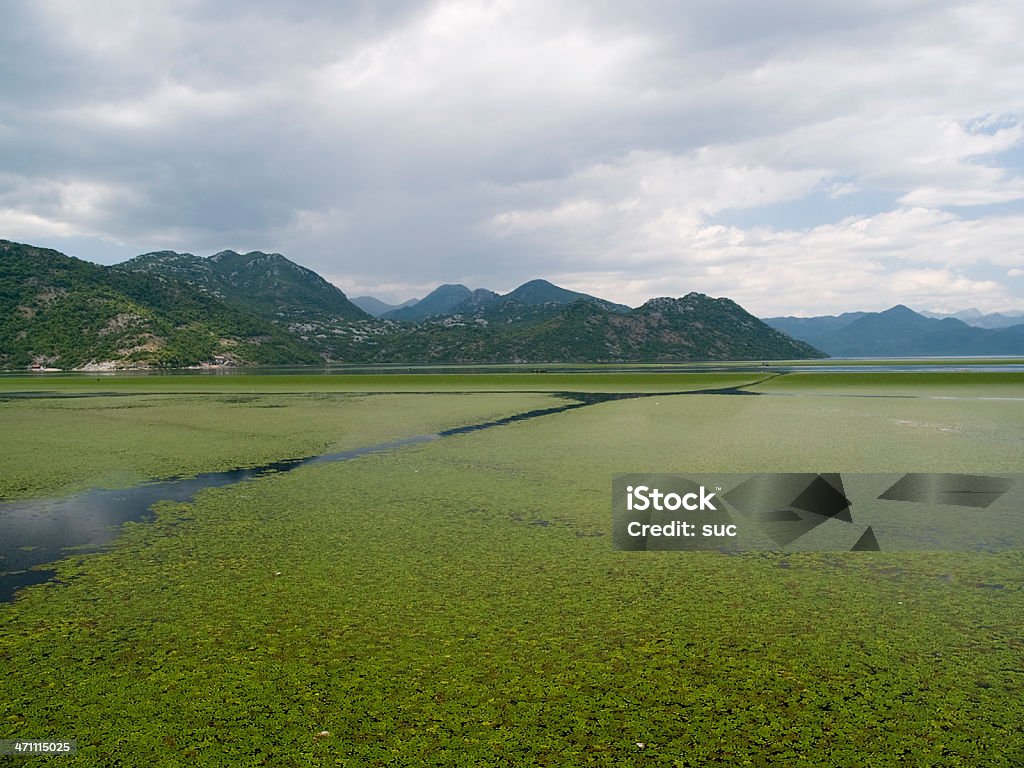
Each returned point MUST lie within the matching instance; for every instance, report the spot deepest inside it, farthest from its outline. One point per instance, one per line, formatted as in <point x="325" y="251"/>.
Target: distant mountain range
<point x="978" y="319"/>
<point x="460" y="300"/>
<point x="170" y="309"/>
<point x="900" y="332"/>
<point x="694" y="327"/>
<point x="376" y="307"/>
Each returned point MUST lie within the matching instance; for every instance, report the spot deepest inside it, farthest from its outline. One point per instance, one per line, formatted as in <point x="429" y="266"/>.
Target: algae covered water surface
<point x="458" y="603"/>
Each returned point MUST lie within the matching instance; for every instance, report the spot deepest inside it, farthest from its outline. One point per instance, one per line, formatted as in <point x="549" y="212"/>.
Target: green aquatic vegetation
<point x="708" y="433"/>
<point x="899" y="383"/>
<point x="57" y="445"/>
<point x="458" y="602"/>
<point x="944" y="362"/>
<point x="417" y="623"/>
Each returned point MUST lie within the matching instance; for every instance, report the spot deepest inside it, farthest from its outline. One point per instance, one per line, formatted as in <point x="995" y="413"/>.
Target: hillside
<point x="695" y="327"/>
<point x="527" y="299"/>
<point x="900" y="332"/>
<point x="58" y="311"/>
<point x="267" y="284"/>
<point x="376" y="307"/>
<point x="174" y="309"/>
<point x="315" y="313"/>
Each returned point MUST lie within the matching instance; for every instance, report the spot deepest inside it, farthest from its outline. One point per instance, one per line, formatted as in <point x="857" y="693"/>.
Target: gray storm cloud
<point x="799" y="157"/>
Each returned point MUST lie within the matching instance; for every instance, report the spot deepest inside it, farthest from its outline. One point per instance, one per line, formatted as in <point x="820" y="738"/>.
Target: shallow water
<point x="975" y="363"/>
<point x="38" y="531"/>
<point x="34" y="532"/>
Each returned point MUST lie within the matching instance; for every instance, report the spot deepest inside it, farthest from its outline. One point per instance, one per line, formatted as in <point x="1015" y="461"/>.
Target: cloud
<point x="396" y="145"/>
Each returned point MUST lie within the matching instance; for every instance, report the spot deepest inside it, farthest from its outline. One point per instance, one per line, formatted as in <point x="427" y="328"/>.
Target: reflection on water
<point x="37" y="531"/>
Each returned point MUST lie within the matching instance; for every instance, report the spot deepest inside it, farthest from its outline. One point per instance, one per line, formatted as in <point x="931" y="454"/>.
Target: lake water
<point x="38" y="531"/>
<point x="834" y="364"/>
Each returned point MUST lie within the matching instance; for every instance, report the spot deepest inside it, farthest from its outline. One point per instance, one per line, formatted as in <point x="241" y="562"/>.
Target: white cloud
<point x="162" y="108"/>
<point x="910" y="255"/>
<point x="840" y="189"/>
<point x="19" y="225"/>
<point x="32" y="207"/>
<point x="401" y="145"/>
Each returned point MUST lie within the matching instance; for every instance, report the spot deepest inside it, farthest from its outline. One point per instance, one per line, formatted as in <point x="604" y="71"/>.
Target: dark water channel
<point x="38" y="531"/>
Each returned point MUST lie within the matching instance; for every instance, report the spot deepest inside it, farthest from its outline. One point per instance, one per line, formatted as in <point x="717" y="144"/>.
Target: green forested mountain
<point x="174" y="310"/>
<point x="528" y="299"/>
<point x="694" y="327"/>
<point x="297" y="301"/>
<point x="267" y="284"/>
<point x="59" y="311"/>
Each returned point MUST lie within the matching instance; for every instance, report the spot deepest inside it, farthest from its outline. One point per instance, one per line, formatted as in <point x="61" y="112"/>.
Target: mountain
<point x="530" y="298"/>
<point x="59" y="311"/>
<point x="171" y="309"/>
<point x="268" y="284"/>
<point x="538" y="292"/>
<point x="694" y="327"/>
<point x="479" y="301"/>
<point x="439" y="301"/>
<point x="291" y="297"/>
<point x="812" y="328"/>
<point x="980" y="320"/>
<point x="537" y="295"/>
<point x="376" y="307"/>
<point x="899" y="332"/>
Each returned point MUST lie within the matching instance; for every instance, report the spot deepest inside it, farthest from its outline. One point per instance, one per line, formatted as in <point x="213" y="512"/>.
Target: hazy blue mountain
<point x="440" y="301"/>
<point x="980" y="320"/>
<point x="897" y="332"/>
<point x="808" y="328"/>
<point x="376" y="307"/>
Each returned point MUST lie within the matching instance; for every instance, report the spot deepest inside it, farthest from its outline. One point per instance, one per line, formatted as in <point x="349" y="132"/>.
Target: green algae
<point x="458" y="603"/>
<point x="899" y="383"/>
<point x="55" y="446"/>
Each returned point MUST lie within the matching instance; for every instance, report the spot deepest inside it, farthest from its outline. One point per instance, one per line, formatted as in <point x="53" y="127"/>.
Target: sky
<point x="798" y="157"/>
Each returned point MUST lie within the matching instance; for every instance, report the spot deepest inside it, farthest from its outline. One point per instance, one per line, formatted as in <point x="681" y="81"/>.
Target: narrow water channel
<point x="34" y="532"/>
